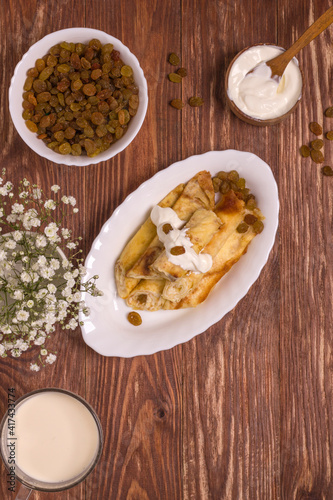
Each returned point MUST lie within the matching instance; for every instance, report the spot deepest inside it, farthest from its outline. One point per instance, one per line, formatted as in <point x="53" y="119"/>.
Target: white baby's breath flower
<point x="71" y="245"/>
<point x="50" y="205"/>
<point x="65" y="200"/>
<point x="42" y="261"/>
<point x="51" y="229"/>
<point x="65" y="233"/>
<point x="24" y="346"/>
<point x="55" y="188"/>
<point x="34" y="367"/>
<point x="16" y="353"/>
<point x="37" y="193"/>
<point x="25" y="182"/>
<point x="43" y="352"/>
<point x="66" y="292"/>
<point x="30" y="304"/>
<point x="39" y="340"/>
<point x="73" y="324"/>
<point x="47" y="272"/>
<point x="17" y="208"/>
<point x="17" y="235"/>
<point x="51" y="358"/>
<point x="11" y="218"/>
<point x="25" y="277"/>
<point x="23" y="195"/>
<point x="41" y="241"/>
<point x="6" y="329"/>
<point x="77" y="296"/>
<point x="2" y="350"/>
<point x="1" y="213"/>
<point x="3" y="255"/>
<point x="82" y="270"/>
<point x="18" y="295"/>
<point x="75" y="210"/>
<point x="22" y="315"/>
<point x="72" y="200"/>
<point x="86" y="311"/>
<point x="51" y="288"/>
<point x="55" y="264"/>
<point x="11" y="244"/>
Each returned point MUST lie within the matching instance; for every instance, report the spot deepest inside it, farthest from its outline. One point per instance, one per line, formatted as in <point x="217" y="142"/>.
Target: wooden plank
<point x="306" y="275"/>
<point x="139" y="400"/>
<point x="231" y="384"/>
<point x="21" y="25"/>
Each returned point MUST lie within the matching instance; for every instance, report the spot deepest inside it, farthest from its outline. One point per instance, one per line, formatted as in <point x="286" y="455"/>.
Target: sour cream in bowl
<point x="256" y="97"/>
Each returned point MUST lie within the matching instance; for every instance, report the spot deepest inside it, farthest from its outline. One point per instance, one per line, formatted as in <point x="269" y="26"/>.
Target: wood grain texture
<point x="243" y="411"/>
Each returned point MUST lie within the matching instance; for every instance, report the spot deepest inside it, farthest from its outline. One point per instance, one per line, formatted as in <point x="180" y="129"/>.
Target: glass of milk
<point x="50" y="441"/>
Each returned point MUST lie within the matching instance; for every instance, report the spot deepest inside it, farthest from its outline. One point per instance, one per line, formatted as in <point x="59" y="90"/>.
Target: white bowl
<point x="38" y="50"/>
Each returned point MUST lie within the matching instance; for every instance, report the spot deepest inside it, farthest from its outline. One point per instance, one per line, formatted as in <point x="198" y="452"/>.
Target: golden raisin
<point x="329" y="135"/>
<point x="305" y="151"/>
<point x="174" y="59"/>
<point x="329" y="112"/>
<point x="173" y="77"/>
<point x="182" y="72"/>
<point x="177" y="250"/>
<point x="250" y="219"/>
<point x="177" y="103"/>
<point x="316" y="128"/>
<point x="134" y="318"/>
<point x="317" y="156"/>
<point x="327" y="170"/>
<point x="317" y="144"/>
<point x="242" y="227"/>
<point x="167" y="228"/>
<point x="196" y="101"/>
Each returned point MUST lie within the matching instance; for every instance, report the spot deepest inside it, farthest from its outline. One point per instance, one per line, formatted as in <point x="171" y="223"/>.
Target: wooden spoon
<point x="279" y="63"/>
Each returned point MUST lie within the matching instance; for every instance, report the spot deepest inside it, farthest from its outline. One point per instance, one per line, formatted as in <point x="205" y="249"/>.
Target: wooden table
<point x="244" y="410"/>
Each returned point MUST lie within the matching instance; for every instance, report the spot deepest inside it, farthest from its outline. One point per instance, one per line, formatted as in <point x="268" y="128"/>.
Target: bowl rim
<point x="19" y="75"/>
<point x="250" y="119"/>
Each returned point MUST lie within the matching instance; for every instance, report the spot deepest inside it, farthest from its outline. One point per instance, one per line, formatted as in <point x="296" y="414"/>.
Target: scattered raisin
<point x="327" y="170"/>
<point x="317" y="156"/>
<point x="329" y="112"/>
<point x="317" y="144"/>
<point x="134" y="318"/>
<point x="196" y="101"/>
<point x="177" y="103"/>
<point x="316" y="128"/>
<point x="173" y="77"/>
<point x="182" y="72"/>
<point x="329" y="135"/>
<point x="174" y="59"/>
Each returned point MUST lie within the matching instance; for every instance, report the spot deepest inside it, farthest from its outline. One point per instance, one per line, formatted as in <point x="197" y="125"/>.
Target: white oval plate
<point x="107" y="329"/>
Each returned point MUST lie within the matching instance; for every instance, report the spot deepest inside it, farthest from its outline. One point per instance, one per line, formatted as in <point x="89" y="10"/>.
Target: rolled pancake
<point x="200" y="229"/>
<point x="147" y="295"/>
<point x="137" y="246"/>
<point x="229" y="254"/>
<point x="230" y="210"/>
<point x="198" y="193"/>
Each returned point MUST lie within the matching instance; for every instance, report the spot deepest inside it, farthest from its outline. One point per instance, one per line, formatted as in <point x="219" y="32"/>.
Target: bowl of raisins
<point x="78" y="97"/>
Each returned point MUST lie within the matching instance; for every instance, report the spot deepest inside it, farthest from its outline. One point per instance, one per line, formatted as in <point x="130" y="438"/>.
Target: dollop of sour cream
<point x="257" y="94"/>
<point x="176" y="237"/>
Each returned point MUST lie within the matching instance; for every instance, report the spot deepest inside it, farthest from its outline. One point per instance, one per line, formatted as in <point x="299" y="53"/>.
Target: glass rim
<point x="70" y="483"/>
